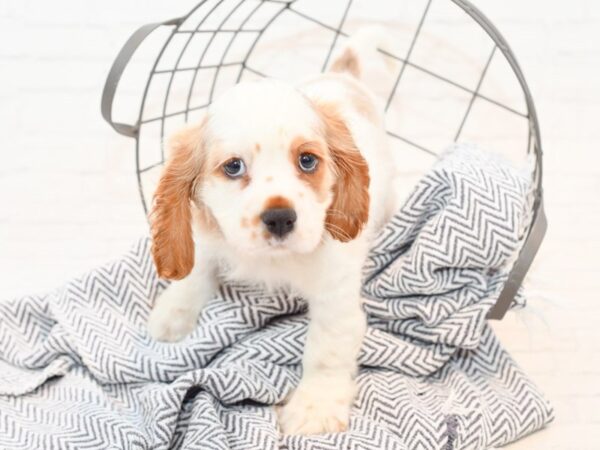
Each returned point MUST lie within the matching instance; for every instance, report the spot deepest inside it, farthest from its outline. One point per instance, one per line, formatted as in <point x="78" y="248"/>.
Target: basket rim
<point x="538" y="225"/>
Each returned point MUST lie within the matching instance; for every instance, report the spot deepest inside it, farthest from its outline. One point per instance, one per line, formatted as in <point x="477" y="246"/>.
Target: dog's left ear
<point x="349" y="210"/>
<point x="171" y="217"/>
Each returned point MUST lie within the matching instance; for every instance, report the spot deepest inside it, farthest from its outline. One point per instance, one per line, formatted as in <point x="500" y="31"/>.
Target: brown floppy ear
<point x="349" y="210"/>
<point x="171" y="216"/>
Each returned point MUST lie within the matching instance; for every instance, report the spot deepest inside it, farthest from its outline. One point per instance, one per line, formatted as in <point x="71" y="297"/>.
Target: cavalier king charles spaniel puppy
<point x="282" y="185"/>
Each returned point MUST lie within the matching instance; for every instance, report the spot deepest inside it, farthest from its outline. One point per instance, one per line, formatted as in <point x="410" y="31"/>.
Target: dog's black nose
<point x="279" y="221"/>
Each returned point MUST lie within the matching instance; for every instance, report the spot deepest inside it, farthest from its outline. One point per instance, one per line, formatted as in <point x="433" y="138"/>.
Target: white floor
<point x="69" y="201"/>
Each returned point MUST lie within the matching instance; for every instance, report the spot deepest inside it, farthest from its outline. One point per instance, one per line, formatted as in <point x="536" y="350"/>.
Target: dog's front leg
<point x="324" y="397"/>
<point x="175" y="312"/>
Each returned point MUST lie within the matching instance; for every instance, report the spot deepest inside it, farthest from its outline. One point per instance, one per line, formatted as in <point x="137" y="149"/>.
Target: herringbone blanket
<point x="79" y="370"/>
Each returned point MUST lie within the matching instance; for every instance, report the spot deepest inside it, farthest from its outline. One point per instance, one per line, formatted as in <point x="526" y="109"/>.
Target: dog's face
<point x="268" y="170"/>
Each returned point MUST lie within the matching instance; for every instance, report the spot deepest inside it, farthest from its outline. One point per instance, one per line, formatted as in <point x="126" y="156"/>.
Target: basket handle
<point x="117" y="69"/>
<point x="521" y="266"/>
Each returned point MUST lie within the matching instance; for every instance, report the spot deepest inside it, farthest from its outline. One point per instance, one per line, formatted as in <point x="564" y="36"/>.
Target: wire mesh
<point x="221" y="42"/>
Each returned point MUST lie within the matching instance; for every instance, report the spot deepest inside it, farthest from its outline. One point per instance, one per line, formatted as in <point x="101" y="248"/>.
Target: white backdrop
<point x="69" y="200"/>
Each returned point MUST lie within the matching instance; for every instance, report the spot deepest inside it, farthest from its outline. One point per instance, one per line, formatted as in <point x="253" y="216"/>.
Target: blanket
<point x="78" y="368"/>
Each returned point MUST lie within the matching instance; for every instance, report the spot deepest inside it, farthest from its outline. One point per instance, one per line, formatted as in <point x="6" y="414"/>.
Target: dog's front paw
<point x="317" y="407"/>
<point x="171" y="323"/>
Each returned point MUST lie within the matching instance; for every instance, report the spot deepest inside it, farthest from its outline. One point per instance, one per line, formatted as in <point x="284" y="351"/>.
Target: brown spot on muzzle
<point x="277" y="202"/>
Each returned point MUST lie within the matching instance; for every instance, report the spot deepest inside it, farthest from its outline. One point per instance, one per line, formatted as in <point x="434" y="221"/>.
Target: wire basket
<point x="456" y="78"/>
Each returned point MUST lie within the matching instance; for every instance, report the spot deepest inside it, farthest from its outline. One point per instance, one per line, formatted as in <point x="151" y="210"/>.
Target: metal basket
<point x="220" y="42"/>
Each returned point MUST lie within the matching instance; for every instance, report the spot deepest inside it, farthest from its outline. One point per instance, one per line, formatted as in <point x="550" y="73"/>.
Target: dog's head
<point x="267" y="169"/>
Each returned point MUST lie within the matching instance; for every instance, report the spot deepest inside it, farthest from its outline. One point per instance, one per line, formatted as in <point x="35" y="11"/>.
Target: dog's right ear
<point x="171" y="216"/>
<point x="349" y="210"/>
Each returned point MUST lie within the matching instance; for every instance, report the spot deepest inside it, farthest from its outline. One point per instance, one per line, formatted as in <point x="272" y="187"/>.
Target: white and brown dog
<point x="285" y="186"/>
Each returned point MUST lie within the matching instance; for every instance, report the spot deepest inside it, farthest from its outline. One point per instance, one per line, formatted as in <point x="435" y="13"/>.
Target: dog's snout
<point x="279" y="221"/>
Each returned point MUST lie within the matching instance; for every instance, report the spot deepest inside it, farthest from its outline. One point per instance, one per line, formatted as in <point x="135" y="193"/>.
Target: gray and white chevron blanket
<point x="79" y="370"/>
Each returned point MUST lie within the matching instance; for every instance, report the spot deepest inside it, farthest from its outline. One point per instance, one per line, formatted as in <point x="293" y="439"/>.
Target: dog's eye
<point x="234" y="168"/>
<point x="308" y="162"/>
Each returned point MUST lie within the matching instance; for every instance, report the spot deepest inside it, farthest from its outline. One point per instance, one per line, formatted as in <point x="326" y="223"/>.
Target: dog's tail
<point x="362" y="51"/>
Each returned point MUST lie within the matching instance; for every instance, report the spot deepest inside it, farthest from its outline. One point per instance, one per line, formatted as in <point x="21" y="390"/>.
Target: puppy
<point x="280" y="185"/>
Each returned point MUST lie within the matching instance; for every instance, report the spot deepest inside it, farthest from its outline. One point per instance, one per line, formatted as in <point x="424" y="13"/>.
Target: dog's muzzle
<point x="279" y="221"/>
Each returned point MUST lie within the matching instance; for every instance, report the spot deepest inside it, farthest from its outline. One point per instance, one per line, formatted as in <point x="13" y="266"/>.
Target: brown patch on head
<point x="349" y="210"/>
<point x="316" y="179"/>
<point x="347" y="62"/>
<point x="277" y="202"/>
<point x="244" y="222"/>
<point x="269" y="178"/>
<point x="257" y="148"/>
<point x="171" y="216"/>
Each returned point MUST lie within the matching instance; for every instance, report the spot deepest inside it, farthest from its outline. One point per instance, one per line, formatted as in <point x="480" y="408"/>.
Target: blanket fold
<point x="79" y="369"/>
